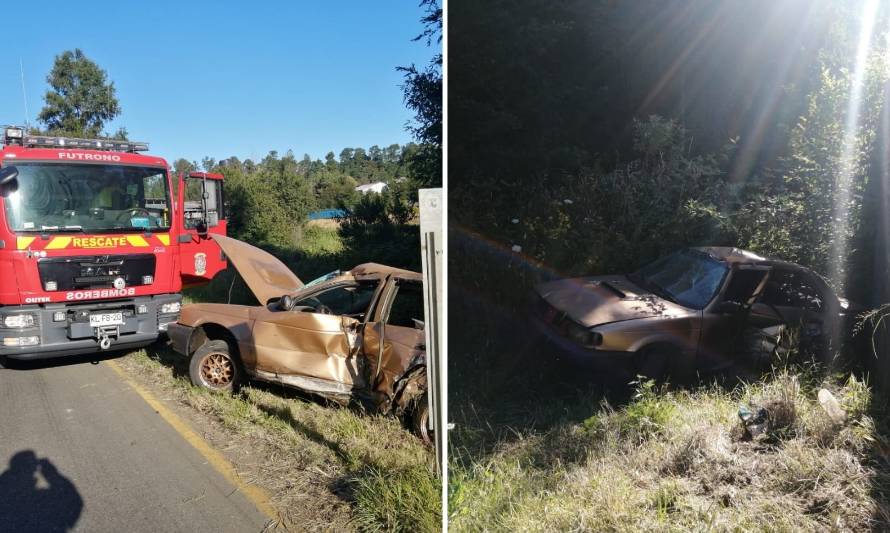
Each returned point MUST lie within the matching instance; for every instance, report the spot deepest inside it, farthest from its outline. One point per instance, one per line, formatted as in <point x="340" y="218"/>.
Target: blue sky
<point x="229" y="78"/>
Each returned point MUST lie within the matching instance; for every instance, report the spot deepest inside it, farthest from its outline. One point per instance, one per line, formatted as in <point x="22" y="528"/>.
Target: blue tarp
<point x="327" y="213"/>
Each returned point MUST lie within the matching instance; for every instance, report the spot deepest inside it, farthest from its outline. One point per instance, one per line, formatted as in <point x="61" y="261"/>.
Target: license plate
<point x="106" y="319"/>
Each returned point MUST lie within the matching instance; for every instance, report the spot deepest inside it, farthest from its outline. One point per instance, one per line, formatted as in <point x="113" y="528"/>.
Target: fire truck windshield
<point x="89" y="198"/>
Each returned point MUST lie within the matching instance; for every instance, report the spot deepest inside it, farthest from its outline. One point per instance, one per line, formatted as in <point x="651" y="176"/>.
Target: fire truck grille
<point x="95" y="271"/>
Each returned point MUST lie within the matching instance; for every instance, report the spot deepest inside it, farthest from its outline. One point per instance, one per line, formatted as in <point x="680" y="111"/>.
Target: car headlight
<point x="20" y="321"/>
<point x="170" y="308"/>
<point x="583" y="336"/>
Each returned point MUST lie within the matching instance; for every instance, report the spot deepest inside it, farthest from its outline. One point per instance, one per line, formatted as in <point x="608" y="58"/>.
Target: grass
<point x="321" y="239"/>
<point x="327" y="467"/>
<point x="678" y="461"/>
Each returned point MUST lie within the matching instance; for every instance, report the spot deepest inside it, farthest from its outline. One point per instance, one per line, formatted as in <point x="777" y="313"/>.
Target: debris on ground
<point x="831" y="406"/>
<point x="755" y="421"/>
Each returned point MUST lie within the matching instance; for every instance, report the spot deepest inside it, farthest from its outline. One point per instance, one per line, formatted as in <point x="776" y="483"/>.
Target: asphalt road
<point x="80" y="450"/>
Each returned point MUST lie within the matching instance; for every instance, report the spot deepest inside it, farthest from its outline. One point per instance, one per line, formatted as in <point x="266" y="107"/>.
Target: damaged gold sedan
<point x="699" y="309"/>
<point x="355" y="336"/>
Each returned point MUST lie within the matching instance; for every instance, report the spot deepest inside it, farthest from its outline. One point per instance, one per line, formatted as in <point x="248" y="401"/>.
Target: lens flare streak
<point x="849" y="157"/>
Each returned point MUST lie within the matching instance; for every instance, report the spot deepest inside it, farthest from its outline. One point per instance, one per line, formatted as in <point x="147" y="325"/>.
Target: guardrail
<point x="432" y="253"/>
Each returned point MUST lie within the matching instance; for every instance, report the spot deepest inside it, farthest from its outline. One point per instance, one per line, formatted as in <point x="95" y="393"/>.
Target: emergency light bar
<point x="13" y="135"/>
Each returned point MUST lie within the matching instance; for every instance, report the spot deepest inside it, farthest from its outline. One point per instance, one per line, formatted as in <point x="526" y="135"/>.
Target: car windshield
<point x="327" y="277"/>
<point x="89" y="198"/>
<point x="687" y="277"/>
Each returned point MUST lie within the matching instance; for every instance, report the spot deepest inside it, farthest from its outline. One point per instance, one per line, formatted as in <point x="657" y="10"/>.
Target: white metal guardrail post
<point x="432" y="254"/>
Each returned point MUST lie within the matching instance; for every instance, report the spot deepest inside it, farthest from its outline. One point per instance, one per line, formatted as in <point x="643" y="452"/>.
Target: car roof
<point x="376" y="271"/>
<point x="729" y="254"/>
<point x="737" y="256"/>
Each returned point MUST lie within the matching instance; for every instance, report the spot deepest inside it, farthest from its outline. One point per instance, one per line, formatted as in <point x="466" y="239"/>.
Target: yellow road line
<point x="255" y="494"/>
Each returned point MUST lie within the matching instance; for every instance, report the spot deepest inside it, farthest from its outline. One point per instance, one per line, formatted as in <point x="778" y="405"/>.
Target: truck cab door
<point x="201" y="213"/>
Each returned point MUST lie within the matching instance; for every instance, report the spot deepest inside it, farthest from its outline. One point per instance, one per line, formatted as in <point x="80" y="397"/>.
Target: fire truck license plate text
<point x="106" y="319"/>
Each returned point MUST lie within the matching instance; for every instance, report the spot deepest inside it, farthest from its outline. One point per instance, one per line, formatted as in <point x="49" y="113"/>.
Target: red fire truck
<point x="95" y="247"/>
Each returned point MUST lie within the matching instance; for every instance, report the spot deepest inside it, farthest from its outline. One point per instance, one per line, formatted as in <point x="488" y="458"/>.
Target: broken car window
<point x="350" y="301"/>
<point x="791" y="289"/>
<point x="742" y="286"/>
<point x="327" y="277"/>
<point x="407" y="307"/>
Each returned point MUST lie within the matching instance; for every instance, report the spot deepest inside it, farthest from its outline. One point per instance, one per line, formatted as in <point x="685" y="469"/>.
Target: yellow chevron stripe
<point x="58" y="243"/>
<point x="165" y="239"/>
<point x="136" y="240"/>
<point x="22" y="243"/>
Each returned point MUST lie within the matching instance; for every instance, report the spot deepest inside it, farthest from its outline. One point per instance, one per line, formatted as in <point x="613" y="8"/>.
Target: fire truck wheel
<point x="212" y="366"/>
<point x="420" y="417"/>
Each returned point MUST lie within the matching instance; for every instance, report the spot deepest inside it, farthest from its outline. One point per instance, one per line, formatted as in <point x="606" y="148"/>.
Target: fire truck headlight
<point x="25" y="320"/>
<point x="21" y="341"/>
<point x="170" y="308"/>
<point x="59" y="316"/>
<point x="141" y="309"/>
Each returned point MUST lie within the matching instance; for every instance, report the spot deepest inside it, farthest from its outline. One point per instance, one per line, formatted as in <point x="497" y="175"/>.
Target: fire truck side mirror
<point x="7" y="174"/>
<point x="201" y="228"/>
<point x="8" y="182"/>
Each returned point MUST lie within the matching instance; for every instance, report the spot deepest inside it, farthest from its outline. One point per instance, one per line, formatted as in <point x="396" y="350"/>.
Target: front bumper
<point x="74" y="336"/>
<point x="180" y="336"/>
<point x="599" y="360"/>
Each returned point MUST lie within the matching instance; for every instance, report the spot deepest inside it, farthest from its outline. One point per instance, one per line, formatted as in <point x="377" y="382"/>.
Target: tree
<point x="330" y="162"/>
<point x="183" y="166"/>
<point x="423" y="95"/>
<point x="81" y="99"/>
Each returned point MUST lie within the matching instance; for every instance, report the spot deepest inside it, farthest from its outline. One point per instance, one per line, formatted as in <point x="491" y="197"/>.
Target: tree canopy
<point x="80" y="100"/>
<point x="423" y="95"/>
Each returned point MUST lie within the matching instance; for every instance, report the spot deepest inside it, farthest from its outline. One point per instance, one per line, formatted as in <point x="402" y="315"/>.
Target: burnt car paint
<point x="620" y="316"/>
<point x="340" y="357"/>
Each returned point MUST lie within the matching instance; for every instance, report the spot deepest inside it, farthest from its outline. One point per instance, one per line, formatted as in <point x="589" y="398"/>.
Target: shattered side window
<point x="742" y="286"/>
<point x="407" y="307"/>
<point x="791" y="289"/>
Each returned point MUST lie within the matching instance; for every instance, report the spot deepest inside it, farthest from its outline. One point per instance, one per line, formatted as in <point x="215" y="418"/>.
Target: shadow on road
<point x="34" y="364"/>
<point x="34" y="496"/>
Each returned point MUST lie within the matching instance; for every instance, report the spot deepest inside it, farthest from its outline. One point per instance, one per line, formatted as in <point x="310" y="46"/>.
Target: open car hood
<point x="601" y="300"/>
<point x="267" y="277"/>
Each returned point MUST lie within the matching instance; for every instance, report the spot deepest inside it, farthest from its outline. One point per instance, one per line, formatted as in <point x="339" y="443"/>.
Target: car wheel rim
<point x="217" y="370"/>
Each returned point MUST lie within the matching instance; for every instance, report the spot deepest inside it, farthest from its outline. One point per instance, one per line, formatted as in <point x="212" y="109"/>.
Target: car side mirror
<point x="727" y="307"/>
<point x="201" y="228"/>
<point x="286" y="302"/>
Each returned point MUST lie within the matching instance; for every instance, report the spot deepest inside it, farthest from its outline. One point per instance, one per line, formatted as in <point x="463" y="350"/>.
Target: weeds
<point x="396" y="500"/>
<point x="673" y="461"/>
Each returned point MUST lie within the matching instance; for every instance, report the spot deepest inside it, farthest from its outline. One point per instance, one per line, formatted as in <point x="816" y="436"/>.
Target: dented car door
<point x="394" y="337"/>
<point x="317" y="339"/>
